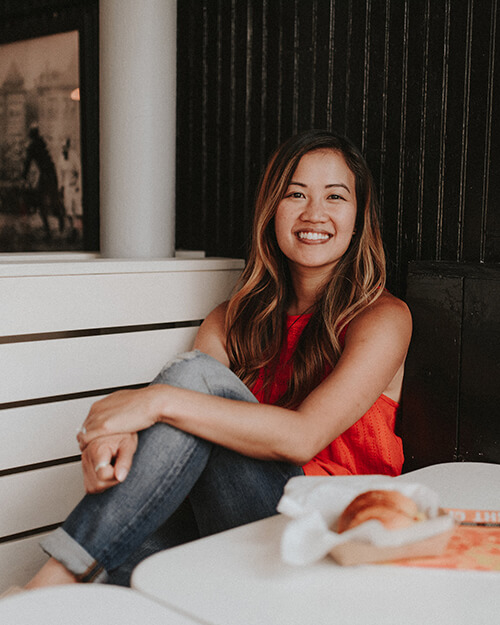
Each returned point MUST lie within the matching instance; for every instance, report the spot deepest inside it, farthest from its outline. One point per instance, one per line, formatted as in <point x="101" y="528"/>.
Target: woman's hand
<point x="121" y="412"/>
<point x="106" y="461"/>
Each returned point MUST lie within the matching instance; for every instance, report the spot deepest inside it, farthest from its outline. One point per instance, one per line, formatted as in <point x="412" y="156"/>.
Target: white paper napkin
<point x="315" y="503"/>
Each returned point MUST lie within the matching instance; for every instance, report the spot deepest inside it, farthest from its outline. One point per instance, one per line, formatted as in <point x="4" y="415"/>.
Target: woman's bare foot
<point x="53" y="573"/>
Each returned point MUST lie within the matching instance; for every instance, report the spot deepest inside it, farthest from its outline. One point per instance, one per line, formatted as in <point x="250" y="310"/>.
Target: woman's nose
<point x="314" y="211"/>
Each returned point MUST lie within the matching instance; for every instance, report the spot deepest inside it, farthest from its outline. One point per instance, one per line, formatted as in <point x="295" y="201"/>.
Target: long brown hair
<point x="255" y="320"/>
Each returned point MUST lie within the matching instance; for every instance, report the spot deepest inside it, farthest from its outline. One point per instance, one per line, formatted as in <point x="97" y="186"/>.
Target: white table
<point x="473" y="485"/>
<point x="92" y="604"/>
<point x="238" y="578"/>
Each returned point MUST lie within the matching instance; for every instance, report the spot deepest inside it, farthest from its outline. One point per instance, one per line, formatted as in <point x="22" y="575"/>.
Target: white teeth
<point x="313" y="236"/>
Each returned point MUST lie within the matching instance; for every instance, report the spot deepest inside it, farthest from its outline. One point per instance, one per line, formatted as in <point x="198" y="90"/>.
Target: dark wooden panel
<point x="430" y="395"/>
<point x="414" y="84"/>
<point x="479" y="428"/>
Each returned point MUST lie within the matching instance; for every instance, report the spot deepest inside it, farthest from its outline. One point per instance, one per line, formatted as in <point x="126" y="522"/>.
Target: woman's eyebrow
<point x="338" y="184"/>
<point x="327" y="186"/>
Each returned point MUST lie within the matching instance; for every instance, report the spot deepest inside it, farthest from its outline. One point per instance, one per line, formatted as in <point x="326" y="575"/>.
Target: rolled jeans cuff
<point x="60" y="546"/>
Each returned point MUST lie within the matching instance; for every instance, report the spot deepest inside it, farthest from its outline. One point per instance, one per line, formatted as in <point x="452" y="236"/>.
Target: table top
<point x="238" y="576"/>
<point x="472" y="485"/>
<point x="90" y="604"/>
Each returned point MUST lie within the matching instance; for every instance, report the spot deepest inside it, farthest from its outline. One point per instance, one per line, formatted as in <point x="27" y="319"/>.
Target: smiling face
<point x="314" y="221"/>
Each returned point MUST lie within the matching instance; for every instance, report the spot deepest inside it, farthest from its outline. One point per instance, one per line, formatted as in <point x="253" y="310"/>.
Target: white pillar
<point x="137" y="77"/>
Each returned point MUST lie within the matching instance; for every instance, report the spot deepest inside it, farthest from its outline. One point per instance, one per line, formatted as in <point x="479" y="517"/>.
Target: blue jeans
<point x="180" y="487"/>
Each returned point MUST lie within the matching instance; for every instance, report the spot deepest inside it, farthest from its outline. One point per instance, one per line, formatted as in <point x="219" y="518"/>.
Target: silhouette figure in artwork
<point x="41" y="176"/>
<point x="68" y="173"/>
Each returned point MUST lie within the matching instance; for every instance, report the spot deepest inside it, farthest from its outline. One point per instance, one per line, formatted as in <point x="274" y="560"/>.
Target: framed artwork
<point x="48" y="135"/>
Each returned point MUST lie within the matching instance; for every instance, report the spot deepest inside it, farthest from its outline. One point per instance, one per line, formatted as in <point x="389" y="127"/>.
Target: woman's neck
<point x="305" y="292"/>
<point x="300" y="308"/>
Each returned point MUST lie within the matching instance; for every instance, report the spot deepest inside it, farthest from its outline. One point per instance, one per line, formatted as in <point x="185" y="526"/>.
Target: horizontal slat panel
<point x="57" y="367"/>
<point x="43" y="264"/>
<point x="40" y="433"/>
<point x="20" y="560"/>
<point x="35" y="304"/>
<point x="48" y="495"/>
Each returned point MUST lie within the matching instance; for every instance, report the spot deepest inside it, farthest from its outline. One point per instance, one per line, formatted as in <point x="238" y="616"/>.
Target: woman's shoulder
<point x="388" y="303"/>
<point x="387" y="314"/>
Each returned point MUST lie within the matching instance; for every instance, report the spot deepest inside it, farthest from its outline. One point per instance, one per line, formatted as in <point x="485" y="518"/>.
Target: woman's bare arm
<point x="211" y="337"/>
<point x="371" y="364"/>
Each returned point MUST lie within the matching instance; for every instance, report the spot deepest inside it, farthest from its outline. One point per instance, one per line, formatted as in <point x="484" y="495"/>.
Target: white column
<point x="137" y="127"/>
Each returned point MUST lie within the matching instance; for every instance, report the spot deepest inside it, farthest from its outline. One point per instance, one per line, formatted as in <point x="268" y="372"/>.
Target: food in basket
<point x="393" y="509"/>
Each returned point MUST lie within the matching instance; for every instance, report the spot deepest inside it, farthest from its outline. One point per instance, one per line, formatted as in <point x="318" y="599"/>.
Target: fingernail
<point x="121" y="474"/>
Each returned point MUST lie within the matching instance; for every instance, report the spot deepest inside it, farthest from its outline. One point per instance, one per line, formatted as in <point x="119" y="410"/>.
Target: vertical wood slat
<point x="366" y="77"/>
<point x="331" y="61"/>
<point x="443" y="131"/>
<point x="488" y="131"/>
<point x="422" y="135"/>
<point x="478" y="125"/>
<point x="465" y="133"/>
<point x="383" y="134"/>
<point x="314" y="28"/>
<point x="402" y="140"/>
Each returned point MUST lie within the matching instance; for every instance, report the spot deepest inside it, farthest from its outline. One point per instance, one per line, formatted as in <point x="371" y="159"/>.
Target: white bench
<point x="72" y="331"/>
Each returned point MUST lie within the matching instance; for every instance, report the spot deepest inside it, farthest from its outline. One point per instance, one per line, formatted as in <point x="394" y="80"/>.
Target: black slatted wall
<point x="415" y="83"/>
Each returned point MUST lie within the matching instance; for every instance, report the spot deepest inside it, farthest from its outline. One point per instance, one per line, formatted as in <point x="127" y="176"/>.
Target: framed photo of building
<point x="48" y="188"/>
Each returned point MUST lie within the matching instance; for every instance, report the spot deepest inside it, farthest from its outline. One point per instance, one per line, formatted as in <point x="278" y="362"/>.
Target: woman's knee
<point x="200" y="372"/>
<point x="160" y="443"/>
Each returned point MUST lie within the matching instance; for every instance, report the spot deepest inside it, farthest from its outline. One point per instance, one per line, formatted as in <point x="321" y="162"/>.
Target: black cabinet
<point x="451" y="394"/>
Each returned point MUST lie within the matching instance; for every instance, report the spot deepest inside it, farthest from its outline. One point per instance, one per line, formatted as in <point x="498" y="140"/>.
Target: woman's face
<point x="314" y="222"/>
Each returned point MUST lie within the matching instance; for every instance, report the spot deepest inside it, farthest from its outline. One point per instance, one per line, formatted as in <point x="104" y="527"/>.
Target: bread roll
<point x="393" y="509"/>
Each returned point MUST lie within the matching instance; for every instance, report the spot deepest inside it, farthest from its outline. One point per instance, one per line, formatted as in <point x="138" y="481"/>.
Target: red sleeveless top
<point x="370" y="446"/>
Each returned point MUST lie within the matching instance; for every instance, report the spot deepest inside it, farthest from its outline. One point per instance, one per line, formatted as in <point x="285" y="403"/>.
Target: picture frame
<point x="49" y="138"/>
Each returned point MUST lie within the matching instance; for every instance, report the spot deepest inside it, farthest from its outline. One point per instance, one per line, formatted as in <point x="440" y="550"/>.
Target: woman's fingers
<point x="106" y="461"/>
<point x="98" y="472"/>
<point x="122" y="411"/>
<point x="124" y="457"/>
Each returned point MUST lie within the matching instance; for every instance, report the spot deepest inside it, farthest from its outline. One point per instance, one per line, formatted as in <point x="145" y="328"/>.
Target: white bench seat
<point x="72" y="331"/>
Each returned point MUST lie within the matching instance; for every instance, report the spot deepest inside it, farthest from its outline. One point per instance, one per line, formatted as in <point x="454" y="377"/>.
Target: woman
<point x="311" y="331"/>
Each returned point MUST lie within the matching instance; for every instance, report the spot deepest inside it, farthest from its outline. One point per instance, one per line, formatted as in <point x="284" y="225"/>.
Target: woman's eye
<point x="296" y="194"/>
<point x="334" y="196"/>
